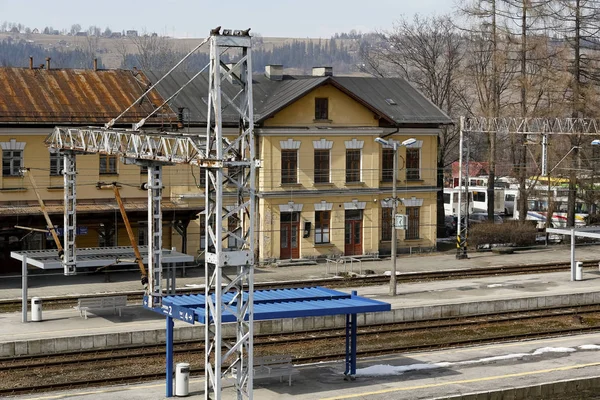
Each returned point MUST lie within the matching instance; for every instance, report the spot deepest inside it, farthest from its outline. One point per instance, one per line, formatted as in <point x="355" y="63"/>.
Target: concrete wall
<point x="157" y="336"/>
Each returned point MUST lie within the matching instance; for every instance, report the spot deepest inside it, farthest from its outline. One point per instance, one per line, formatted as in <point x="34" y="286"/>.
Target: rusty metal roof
<point x="76" y="96"/>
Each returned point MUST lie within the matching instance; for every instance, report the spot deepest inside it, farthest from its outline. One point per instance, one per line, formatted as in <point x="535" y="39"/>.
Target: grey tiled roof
<point x="411" y="106"/>
<point x="408" y="105"/>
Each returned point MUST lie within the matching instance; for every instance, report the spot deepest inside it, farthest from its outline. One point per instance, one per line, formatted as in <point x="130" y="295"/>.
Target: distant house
<point x="55" y="32"/>
<point x="478" y="172"/>
<point x="132" y="33"/>
<point x="14" y="30"/>
<point x="35" y="31"/>
<point x="81" y="33"/>
<point x="116" y="35"/>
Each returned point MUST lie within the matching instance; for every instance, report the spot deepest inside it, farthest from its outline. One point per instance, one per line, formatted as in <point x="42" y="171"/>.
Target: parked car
<point x="450" y="225"/>
<point x="477" y="218"/>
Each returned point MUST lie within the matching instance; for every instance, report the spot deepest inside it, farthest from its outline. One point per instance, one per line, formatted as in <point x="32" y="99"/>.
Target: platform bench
<point x="274" y="366"/>
<point x="114" y="303"/>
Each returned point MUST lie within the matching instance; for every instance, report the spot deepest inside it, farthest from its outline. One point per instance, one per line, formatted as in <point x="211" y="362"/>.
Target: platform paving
<point x="68" y="323"/>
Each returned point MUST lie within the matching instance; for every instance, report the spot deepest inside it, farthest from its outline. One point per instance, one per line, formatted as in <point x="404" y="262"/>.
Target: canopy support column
<point x="169" y="340"/>
<point x="351" y="334"/>
<point x="24" y="289"/>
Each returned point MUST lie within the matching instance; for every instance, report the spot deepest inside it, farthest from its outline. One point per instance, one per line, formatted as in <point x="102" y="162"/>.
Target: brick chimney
<point x="48" y="63"/>
<point x="274" y="72"/>
<point x="30" y="62"/>
<point x="95" y="64"/>
<point x="322" y="71"/>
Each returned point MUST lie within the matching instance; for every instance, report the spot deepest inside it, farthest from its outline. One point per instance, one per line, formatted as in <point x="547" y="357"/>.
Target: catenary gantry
<point x="224" y="161"/>
<point x="511" y="125"/>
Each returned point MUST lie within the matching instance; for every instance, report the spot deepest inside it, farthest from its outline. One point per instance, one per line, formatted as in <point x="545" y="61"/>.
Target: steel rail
<point x="199" y="370"/>
<point x="11" y="305"/>
<point x="265" y="340"/>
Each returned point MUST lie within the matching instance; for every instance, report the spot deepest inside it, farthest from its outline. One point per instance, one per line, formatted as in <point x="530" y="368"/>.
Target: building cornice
<point x="344" y="131"/>
<point x="345" y="192"/>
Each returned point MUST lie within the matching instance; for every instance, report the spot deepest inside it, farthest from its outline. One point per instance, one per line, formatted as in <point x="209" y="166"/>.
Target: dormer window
<point x="321" y="108"/>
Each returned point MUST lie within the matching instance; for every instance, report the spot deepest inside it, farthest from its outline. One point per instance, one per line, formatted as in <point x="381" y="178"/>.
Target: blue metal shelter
<point x="274" y="304"/>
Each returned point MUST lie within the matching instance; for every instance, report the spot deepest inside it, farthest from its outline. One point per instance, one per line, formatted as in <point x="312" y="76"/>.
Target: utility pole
<point x="395" y="146"/>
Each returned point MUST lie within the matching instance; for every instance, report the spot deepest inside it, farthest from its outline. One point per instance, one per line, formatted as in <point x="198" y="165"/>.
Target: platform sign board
<point x="60" y="231"/>
<point x="181" y="313"/>
<point x="401" y="221"/>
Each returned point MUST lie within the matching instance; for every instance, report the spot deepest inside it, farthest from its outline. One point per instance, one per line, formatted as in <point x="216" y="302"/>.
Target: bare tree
<point x="426" y="51"/>
<point x="153" y="52"/>
<point x="74" y="29"/>
<point x="579" y="24"/>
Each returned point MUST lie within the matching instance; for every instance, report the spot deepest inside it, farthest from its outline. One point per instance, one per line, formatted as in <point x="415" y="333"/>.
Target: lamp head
<point x="408" y="142"/>
<point x="596" y="142"/>
<point x="382" y="141"/>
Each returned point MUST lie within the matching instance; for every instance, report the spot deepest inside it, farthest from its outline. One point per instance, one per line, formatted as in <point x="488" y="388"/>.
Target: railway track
<point x="14" y="305"/>
<point x="327" y="338"/>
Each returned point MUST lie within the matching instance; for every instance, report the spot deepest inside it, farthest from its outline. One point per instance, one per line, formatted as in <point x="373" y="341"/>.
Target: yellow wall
<point x="177" y="180"/>
<point x="269" y="220"/>
<point x="343" y="111"/>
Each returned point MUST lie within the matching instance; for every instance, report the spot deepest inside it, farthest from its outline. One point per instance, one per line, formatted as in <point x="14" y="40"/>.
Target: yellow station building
<point x="325" y="185"/>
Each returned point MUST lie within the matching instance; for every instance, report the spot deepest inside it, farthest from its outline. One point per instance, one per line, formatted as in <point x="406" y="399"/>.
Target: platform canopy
<point x="96" y="257"/>
<point x="275" y="304"/>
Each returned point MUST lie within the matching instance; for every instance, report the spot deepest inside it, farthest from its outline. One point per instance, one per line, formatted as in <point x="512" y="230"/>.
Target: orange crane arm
<point x="46" y="216"/>
<point x="136" y="250"/>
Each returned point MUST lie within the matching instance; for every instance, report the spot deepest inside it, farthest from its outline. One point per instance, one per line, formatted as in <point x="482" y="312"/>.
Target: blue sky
<point x="194" y="18"/>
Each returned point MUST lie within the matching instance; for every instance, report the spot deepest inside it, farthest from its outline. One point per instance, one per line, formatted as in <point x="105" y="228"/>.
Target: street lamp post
<point x="395" y="146"/>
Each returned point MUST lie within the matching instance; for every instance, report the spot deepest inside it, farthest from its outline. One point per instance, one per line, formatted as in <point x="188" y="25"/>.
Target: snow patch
<point x="386" y="369"/>
<point x="494" y="285"/>
<point x="553" y="350"/>
<point x="589" y="347"/>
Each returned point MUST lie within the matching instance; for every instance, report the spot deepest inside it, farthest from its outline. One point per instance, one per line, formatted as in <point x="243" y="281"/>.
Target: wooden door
<point x="353" y="233"/>
<point x="290" y="235"/>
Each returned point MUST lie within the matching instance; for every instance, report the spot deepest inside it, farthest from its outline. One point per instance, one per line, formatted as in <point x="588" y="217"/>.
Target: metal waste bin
<point x="36" y="309"/>
<point x="182" y="379"/>
<point x="578" y="270"/>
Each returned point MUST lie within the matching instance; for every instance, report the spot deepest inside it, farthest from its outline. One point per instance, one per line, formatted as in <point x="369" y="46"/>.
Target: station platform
<point x="540" y="369"/>
<point x="134" y="318"/>
<point x="67" y="330"/>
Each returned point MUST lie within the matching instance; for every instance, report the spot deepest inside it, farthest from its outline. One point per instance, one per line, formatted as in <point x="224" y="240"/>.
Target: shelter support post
<point x="572" y="254"/>
<point x="24" y="289"/>
<point x="169" y="340"/>
<point x="70" y="217"/>
<point x="347" y="370"/>
<point x="351" y="334"/>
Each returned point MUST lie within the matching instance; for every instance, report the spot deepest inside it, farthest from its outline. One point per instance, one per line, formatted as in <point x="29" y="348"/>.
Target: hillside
<point x="297" y="54"/>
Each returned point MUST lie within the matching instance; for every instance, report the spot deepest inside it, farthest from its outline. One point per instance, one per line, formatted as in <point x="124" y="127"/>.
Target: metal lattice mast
<point x="155" y="233"/>
<point x="461" y="227"/>
<point x="230" y="224"/>
<point x="70" y="217"/>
